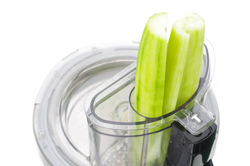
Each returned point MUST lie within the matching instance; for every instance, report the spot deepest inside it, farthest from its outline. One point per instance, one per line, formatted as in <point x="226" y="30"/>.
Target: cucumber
<point x="151" y="67"/>
<point x="176" y="58"/>
<point x="194" y="25"/>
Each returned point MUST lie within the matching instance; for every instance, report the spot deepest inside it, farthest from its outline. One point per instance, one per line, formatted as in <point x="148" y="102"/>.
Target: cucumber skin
<point x="176" y="58"/>
<point x="150" y="74"/>
<point x="193" y="65"/>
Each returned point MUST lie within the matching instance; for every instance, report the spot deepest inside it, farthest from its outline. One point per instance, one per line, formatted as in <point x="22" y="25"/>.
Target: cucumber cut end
<point x="194" y="21"/>
<point x="157" y="24"/>
<point x="191" y="22"/>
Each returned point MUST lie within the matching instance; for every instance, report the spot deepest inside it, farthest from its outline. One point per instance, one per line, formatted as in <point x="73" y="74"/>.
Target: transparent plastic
<point x="115" y="136"/>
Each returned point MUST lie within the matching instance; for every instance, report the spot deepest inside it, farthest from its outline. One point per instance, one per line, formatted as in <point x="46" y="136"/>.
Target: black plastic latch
<point x="190" y="150"/>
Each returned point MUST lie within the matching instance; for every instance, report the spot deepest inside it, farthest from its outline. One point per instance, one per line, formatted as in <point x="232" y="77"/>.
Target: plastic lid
<point x="110" y="106"/>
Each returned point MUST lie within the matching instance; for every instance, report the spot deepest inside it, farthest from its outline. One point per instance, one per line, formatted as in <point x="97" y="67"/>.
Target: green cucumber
<point x="151" y="67"/>
<point x="176" y="58"/>
<point x="194" y="25"/>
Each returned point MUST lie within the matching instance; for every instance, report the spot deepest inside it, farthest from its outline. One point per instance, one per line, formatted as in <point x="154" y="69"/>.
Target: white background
<point x="35" y="35"/>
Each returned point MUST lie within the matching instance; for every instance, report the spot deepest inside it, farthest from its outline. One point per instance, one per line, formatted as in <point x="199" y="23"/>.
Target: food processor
<point x="84" y="114"/>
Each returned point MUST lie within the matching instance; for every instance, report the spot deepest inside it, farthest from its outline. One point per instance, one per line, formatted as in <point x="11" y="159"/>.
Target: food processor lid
<point x="59" y="121"/>
<point x="111" y="96"/>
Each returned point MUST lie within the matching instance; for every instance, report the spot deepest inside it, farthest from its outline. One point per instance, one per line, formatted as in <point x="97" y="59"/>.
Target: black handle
<point x="210" y="163"/>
